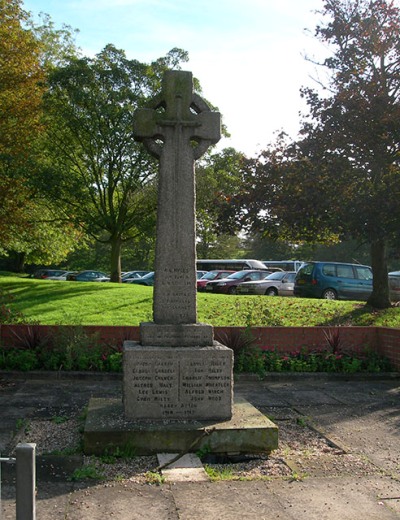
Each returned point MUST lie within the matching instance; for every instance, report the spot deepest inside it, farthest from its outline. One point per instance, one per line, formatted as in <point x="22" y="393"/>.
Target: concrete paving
<point x="360" y="415"/>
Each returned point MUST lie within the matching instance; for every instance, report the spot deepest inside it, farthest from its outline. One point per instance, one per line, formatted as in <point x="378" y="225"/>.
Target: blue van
<point x="333" y="281"/>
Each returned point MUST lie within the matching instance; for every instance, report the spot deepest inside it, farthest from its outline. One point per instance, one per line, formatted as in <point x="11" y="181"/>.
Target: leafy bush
<point x="261" y="361"/>
<point x="7" y="313"/>
<point x="69" y="348"/>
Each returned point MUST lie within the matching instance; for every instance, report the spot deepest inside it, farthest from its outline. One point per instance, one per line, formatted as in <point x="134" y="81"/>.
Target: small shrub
<point x="258" y="361"/>
<point x="17" y="359"/>
<point x="7" y="313"/>
<point x="87" y="472"/>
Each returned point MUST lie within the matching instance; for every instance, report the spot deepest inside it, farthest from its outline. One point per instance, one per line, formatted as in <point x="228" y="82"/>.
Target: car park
<point x="285" y="265"/>
<point x="44" y="274"/>
<point x="147" y="279"/>
<point x="334" y="281"/>
<point x="61" y="277"/>
<point x="88" y="276"/>
<point x="276" y="284"/>
<point x="211" y="275"/>
<point x="230" y="265"/>
<point x="132" y="274"/>
<point x="229" y="284"/>
<point x="394" y="286"/>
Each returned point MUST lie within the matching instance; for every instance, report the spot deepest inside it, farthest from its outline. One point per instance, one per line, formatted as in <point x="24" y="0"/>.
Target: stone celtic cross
<point x="177" y="129"/>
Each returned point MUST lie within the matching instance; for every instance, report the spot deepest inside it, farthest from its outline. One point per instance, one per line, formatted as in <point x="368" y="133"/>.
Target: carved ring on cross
<point x="198" y="106"/>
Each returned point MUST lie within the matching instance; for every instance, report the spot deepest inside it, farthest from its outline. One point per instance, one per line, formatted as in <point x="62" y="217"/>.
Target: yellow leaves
<point x="20" y="81"/>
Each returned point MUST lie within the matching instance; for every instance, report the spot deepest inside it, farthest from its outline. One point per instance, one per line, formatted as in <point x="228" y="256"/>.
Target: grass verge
<point x="71" y="303"/>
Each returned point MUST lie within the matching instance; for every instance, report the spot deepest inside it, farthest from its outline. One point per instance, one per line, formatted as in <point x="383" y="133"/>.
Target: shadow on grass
<point x="51" y="297"/>
<point x="362" y="315"/>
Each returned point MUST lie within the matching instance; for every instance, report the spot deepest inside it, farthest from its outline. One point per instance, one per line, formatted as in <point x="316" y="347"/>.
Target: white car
<point x="61" y="276"/>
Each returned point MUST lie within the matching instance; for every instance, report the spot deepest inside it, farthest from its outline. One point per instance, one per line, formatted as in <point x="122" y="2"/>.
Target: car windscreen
<point x="276" y="276"/>
<point x="238" y="275"/>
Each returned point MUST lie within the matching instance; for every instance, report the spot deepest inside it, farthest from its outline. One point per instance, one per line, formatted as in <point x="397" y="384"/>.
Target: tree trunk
<point x="115" y="259"/>
<point x="17" y="261"/>
<point x="380" y="294"/>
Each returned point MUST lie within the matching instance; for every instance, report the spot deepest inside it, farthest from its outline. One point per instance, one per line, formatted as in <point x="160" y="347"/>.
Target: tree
<point x="341" y="179"/>
<point x="96" y="169"/>
<point x="20" y="110"/>
<point x="218" y="180"/>
<point x="30" y="228"/>
<point x="21" y="82"/>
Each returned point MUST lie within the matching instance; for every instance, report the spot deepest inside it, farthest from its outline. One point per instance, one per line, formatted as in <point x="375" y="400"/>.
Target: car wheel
<point x="329" y="294"/>
<point x="271" y="291"/>
<point x="232" y="290"/>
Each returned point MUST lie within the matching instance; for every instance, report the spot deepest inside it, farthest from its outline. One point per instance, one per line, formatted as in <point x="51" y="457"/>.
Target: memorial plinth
<point x="180" y="383"/>
<point x="177" y="371"/>
<point x="177" y="381"/>
<point x="188" y="335"/>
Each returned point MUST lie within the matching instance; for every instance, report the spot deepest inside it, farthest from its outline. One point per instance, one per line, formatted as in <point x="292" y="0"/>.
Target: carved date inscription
<point x="178" y="387"/>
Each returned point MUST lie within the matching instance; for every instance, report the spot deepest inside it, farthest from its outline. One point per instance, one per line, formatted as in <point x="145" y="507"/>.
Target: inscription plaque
<point x="191" y="383"/>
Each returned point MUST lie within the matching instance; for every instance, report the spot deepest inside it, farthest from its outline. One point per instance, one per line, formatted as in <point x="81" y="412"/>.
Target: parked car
<point x="200" y="274"/>
<point x="333" y="281"/>
<point x="147" y="279"/>
<point x="275" y="284"/>
<point x="211" y="275"/>
<point x="394" y="286"/>
<point x="132" y="274"/>
<point x="88" y="276"/>
<point x="62" y="277"/>
<point x="44" y="274"/>
<point x="229" y="284"/>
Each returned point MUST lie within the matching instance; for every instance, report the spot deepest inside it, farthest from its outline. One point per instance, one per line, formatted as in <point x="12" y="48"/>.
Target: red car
<point x="211" y="275"/>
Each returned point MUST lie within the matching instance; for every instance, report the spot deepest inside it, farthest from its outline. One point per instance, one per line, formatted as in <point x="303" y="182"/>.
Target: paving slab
<point x="361" y="484"/>
<point x="187" y="468"/>
<point x="375" y="434"/>
<point x="334" y="499"/>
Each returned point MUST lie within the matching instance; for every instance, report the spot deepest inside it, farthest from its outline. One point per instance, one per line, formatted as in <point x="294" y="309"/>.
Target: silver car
<point x="394" y="286"/>
<point x="280" y="283"/>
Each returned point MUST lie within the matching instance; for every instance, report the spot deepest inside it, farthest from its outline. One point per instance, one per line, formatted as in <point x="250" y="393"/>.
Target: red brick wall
<point x="289" y="339"/>
<point x="283" y="339"/>
<point x="388" y="344"/>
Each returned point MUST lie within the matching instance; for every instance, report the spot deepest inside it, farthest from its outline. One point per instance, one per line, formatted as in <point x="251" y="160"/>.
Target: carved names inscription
<point x="169" y="385"/>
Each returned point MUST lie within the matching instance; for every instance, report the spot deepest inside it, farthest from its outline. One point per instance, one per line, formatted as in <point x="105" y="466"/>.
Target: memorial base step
<point x="106" y="429"/>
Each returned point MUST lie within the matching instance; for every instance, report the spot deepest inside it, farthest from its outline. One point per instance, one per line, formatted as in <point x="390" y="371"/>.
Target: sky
<point x="249" y="55"/>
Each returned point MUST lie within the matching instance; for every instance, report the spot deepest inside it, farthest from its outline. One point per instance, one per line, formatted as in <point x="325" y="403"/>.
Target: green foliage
<point x="216" y="473"/>
<point x="8" y="313"/>
<point x="218" y="180"/>
<point x="155" y="478"/>
<point x="59" y="419"/>
<point x="97" y="171"/>
<point x="111" y="455"/>
<point x="22" y="425"/>
<point x="89" y="472"/>
<point x="340" y="180"/>
<point x="260" y="361"/>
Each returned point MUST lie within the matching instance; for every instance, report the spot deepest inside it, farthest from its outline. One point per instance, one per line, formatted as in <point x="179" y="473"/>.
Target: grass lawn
<point x="78" y="303"/>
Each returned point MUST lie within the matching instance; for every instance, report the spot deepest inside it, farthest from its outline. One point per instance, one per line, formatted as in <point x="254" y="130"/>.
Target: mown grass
<point x="52" y="302"/>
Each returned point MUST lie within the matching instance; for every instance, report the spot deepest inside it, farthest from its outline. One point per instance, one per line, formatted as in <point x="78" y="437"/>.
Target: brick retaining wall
<point x="283" y="339"/>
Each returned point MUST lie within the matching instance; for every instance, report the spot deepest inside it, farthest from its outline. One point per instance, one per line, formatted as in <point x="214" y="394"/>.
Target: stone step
<point x="187" y="468"/>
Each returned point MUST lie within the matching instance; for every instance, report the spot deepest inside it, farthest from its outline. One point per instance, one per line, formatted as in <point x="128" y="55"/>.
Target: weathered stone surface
<point x="178" y="117"/>
<point x="190" y="335"/>
<point x="248" y="431"/>
<point x="186" y="383"/>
